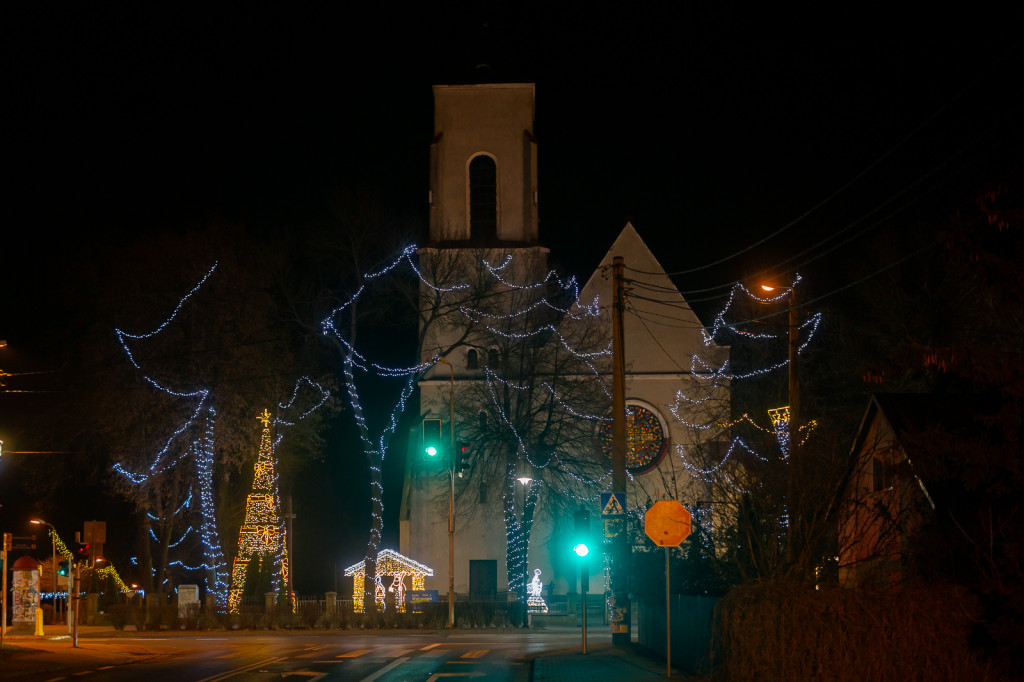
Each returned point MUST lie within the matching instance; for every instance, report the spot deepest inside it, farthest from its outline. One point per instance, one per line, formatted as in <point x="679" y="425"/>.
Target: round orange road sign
<point x="667" y="523"/>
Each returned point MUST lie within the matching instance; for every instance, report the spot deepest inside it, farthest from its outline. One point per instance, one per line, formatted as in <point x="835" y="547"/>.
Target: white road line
<point x="393" y="664"/>
<point x="237" y="671"/>
<point x="430" y="646"/>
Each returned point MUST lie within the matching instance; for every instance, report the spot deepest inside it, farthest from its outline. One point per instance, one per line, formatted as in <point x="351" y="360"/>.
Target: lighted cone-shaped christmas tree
<point x="262" y="537"/>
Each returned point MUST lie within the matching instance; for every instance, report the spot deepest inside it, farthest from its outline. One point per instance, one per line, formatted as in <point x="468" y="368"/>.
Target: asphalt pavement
<point x="100" y="647"/>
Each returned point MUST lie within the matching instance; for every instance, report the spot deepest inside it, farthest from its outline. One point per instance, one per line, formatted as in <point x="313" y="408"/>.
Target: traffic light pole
<point x="451" y="493"/>
<point x="75" y="601"/>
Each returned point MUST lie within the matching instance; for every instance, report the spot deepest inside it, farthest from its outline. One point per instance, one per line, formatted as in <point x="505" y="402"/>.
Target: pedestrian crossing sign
<point x="613" y="505"/>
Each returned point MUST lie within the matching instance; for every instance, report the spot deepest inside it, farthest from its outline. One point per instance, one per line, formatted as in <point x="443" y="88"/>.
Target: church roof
<point x="657" y="316"/>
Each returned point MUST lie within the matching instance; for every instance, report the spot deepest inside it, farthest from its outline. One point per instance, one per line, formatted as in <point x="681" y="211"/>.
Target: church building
<point x="488" y="305"/>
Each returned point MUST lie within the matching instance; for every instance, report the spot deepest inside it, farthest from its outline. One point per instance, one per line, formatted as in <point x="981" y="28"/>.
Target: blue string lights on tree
<point x="717" y="376"/>
<point x="191" y="440"/>
<point x="486" y="318"/>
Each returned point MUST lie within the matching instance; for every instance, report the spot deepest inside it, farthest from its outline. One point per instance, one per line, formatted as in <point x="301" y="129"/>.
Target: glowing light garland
<point x="105" y="572"/>
<point x="262" y="535"/>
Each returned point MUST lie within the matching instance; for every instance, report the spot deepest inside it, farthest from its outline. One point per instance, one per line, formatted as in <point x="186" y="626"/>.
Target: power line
<point x="926" y="122"/>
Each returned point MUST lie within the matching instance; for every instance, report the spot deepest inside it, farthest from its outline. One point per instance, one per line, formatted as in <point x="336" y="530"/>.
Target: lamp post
<point x="525" y="479"/>
<point x="792" y="549"/>
<point x="53" y="560"/>
<point x="451" y="493"/>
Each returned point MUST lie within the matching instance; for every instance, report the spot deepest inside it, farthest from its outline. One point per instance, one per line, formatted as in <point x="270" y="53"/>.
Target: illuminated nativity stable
<point x="390" y="564"/>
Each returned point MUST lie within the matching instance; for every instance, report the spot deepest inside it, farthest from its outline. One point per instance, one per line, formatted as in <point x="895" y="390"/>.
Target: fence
<point x="161" y="612"/>
<point x="692" y="618"/>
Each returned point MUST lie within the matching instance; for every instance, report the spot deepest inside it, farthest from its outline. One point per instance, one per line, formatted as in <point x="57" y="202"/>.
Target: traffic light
<point x="463" y="451"/>
<point x="64" y="567"/>
<point x="581" y="531"/>
<point x="432" y="438"/>
<point x="581" y="545"/>
<point x="83" y="550"/>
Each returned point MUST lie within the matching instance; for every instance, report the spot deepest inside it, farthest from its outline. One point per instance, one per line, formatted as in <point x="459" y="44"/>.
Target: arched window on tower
<point x="483" y="199"/>
<point x="492" y="358"/>
<point x="472" y="361"/>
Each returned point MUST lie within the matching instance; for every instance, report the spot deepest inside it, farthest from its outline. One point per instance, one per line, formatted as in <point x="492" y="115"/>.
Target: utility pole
<point x="794" y="511"/>
<point x="620" y="616"/>
<point x="289" y="516"/>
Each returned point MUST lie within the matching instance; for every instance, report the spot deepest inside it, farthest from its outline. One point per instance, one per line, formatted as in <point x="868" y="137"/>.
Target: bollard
<point x="39" y="622"/>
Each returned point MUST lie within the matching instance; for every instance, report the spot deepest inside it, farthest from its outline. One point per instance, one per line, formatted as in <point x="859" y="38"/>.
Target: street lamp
<point x="53" y="542"/>
<point x="525" y="479"/>
<point x="794" y="414"/>
<point x="794" y="352"/>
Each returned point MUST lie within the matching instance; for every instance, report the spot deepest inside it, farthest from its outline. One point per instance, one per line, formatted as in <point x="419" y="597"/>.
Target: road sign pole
<point x="667" y="523"/>
<point x="583" y="594"/>
<point x="668" y="621"/>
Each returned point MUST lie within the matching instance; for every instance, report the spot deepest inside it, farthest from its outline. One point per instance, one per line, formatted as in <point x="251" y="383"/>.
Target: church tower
<point x="483" y="215"/>
<point x="483" y="166"/>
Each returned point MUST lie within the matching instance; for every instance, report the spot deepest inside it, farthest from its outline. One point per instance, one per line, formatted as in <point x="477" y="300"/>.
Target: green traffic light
<point x="431" y="450"/>
<point x="581" y="549"/>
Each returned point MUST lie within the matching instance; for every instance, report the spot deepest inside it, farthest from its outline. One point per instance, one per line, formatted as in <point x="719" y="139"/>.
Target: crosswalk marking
<point x="355" y="654"/>
<point x="477" y="653"/>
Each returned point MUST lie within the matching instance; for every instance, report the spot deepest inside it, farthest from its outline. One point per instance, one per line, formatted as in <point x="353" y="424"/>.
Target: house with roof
<point x="886" y="499"/>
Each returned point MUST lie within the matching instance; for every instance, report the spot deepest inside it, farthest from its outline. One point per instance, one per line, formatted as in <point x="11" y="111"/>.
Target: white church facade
<point x="483" y="210"/>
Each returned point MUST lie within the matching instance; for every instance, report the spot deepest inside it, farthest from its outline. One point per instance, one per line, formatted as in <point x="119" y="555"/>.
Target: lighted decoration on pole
<point x="262" y="536"/>
<point x="780" y="421"/>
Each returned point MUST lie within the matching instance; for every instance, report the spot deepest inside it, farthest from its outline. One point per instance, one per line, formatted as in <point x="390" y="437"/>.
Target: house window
<point x="882" y="471"/>
<point x="483" y="199"/>
<point x="492" y="357"/>
<point x="472" y="359"/>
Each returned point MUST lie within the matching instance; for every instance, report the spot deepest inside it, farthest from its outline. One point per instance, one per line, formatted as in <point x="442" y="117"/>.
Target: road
<point x="212" y="657"/>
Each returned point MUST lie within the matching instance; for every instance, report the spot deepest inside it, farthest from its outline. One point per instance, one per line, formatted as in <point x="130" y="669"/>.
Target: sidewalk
<point x="27" y="654"/>
<point x="602" y="662"/>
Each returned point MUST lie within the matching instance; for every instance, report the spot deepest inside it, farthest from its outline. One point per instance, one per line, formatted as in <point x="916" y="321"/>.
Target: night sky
<point x="715" y="130"/>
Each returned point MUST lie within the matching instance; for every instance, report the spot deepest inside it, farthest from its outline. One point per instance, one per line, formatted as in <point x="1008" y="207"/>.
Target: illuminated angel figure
<point x="534" y="601"/>
<point x="379" y="593"/>
<point x="398" y="587"/>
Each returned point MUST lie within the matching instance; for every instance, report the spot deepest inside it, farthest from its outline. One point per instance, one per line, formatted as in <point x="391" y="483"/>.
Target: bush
<point x="773" y="631"/>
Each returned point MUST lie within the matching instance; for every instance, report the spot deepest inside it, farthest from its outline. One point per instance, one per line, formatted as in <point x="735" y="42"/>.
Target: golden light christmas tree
<point x="262" y="536"/>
